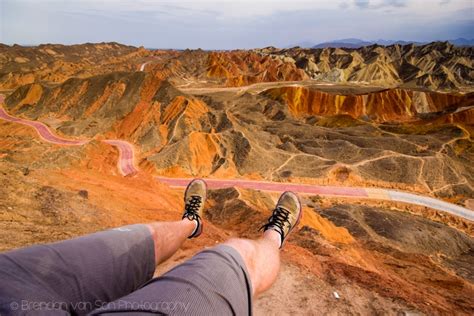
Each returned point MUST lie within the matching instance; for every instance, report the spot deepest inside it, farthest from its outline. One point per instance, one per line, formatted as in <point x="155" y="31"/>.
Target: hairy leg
<point x="169" y="236"/>
<point x="261" y="257"/>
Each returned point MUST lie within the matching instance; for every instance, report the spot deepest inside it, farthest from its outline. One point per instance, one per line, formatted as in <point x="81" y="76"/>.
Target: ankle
<point x="191" y="222"/>
<point x="273" y="236"/>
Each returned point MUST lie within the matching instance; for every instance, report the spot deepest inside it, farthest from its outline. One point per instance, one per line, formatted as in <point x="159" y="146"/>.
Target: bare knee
<point x="247" y="249"/>
<point x="241" y="245"/>
<point x="262" y="260"/>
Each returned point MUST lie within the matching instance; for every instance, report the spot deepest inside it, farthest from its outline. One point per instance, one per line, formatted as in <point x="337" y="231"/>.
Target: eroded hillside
<point x="390" y="138"/>
<point x="439" y="65"/>
<point x="257" y="115"/>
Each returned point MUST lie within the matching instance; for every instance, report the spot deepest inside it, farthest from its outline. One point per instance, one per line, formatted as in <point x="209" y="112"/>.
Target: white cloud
<point x="229" y="23"/>
<point x="229" y="8"/>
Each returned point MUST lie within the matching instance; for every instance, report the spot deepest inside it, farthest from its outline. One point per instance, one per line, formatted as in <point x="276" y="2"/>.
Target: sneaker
<point x="286" y="216"/>
<point x="194" y="199"/>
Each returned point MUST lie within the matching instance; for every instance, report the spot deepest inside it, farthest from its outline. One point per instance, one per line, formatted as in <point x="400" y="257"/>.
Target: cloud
<point x="395" y="3"/>
<point x="443" y="2"/>
<point x="189" y="10"/>
<point x="378" y="4"/>
<point x="344" y="5"/>
<point x="363" y="4"/>
<point x="227" y="24"/>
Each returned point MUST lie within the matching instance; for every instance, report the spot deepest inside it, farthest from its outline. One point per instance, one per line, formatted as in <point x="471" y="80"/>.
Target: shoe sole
<point x="300" y="215"/>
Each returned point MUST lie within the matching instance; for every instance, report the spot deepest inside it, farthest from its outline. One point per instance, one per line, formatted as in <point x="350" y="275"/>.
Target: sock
<point x="271" y="235"/>
<point x="195" y="228"/>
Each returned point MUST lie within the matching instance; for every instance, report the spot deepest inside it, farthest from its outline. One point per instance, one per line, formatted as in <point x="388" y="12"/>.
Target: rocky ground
<point x="190" y="114"/>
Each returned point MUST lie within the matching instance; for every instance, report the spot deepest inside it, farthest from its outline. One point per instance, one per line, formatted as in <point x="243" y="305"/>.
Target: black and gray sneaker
<point x="286" y="216"/>
<point x="194" y="199"/>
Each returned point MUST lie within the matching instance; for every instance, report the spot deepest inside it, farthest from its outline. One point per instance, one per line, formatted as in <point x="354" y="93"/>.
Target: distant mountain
<point x="434" y="66"/>
<point x="390" y="42"/>
<point x="344" y="43"/>
<point x="463" y="42"/>
<point x="357" y="43"/>
<point x="304" y="44"/>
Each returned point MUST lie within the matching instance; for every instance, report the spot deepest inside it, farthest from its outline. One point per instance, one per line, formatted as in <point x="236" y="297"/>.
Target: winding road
<point x="125" y="163"/>
<point x="126" y="167"/>
<point x="259" y="87"/>
<point x="43" y="130"/>
<point x="126" y="156"/>
<point x="331" y="191"/>
<point x="142" y="66"/>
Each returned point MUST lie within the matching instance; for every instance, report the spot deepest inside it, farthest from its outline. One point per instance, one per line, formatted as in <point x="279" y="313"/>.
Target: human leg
<point x="220" y="280"/>
<point x="213" y="282"/>
<point x="81" y="274"/>
<point x="262" y="256"/>
<point x="75" y="275"/>
<point x="169" y="236"/>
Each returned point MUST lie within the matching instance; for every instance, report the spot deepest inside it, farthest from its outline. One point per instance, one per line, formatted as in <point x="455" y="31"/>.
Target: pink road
<point x="126" y="152"/>
<point x="142" y="66"/>
<point x="43" y="130"/>
<point x="126" y="156"/>
<point x="331" y="191"/>
<point x="272" y="186"/>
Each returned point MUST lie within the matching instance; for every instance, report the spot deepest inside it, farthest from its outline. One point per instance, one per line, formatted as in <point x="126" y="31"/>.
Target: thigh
<point x="77" y="275"/>
<point x="214" y="282"/>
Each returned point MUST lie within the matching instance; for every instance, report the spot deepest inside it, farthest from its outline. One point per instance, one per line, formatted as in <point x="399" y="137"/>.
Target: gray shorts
<point x="111" y="273"/>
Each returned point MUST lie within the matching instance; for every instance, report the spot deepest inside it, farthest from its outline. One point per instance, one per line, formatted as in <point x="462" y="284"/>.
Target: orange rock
<point x="191" y="108"/>
<point x="203" y="148"/>
<point x="387" y="105"/>
<point x="240" y="68"/>
<point x="33" y="95"/>
<point x="329" y="231"/>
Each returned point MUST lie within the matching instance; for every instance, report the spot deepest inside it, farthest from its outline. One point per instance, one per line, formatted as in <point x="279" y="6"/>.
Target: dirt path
<point x="259" y="87"/>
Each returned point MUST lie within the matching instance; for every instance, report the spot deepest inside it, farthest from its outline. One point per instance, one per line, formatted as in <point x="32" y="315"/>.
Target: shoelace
<point x="192" y="208"/>
<point x="277" y="220"/>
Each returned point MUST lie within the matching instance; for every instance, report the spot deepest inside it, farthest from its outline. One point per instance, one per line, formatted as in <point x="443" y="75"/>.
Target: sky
<point x="230" y="24"/>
